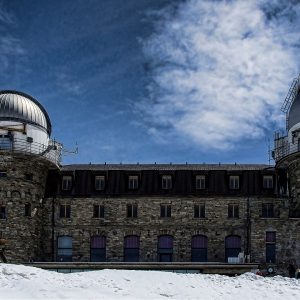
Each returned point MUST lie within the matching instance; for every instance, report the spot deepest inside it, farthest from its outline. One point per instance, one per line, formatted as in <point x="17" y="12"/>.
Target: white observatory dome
<point x="294" y="112"/>
<point x="20" y="107"/>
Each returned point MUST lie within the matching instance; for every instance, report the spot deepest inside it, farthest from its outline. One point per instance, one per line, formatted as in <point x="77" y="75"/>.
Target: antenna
<point x="67" y="151"/>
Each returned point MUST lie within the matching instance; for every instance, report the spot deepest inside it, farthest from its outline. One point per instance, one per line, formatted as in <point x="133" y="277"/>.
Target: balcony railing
<point x="51" y="152"/>
<point x="285" y="150"/>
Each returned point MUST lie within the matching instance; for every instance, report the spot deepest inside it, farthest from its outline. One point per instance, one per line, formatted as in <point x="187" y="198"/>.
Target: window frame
<point x="201" y="179"/>
<point x="65" y="211"/>
<point x="131" y="210"/>
<point x="98" y="251"/>
<point x="68" y="258"/>
<point x="266" y="182"/>
<point x="233" y="211"/>
<point x="199" y="211"/>
<point x="134" y="179"/>
<point x="98" y="211"/>
<point x="235" y="179"/>
<point x="270" y="245"/>
<point x="3" y="213"/>
<point x="166" y="182"/>
<point x="27" y="210"/>
<point x="69" y="180"/>
<point x="267" y="210"/>
<point x="102" y="181"/>
<point x="3" y="174"/>
<point x="165" y="210"/>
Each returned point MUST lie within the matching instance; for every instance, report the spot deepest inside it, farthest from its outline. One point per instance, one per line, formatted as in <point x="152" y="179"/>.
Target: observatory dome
<point x="294" y="112"/>
<point x="17" y="106"/>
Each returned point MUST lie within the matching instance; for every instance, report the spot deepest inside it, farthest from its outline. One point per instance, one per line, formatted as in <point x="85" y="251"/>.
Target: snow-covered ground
<point x="21" y="282"/>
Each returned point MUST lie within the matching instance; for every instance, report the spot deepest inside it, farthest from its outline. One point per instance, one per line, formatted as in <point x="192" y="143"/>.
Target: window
<point x="166" y="183"/>
<point x="3" y="174"/>
<point x="5" y="141"/>
<point x="64" y="248"/>
<point x="98" y="248"/>
<point x="131" y="248"/>
<point x="66" y="183"/>
<point x="2" y="212"/>
<point x="234" y="182"/>
<point x="99" y="183"/>
<point x="27" y="210"/>
<point x="165" y="248"/>
<point x="270" y="247"/>
<point x="65" y="211"/>
<point x="232" y="247"/>
<point x="165" y="211"/>
<point x="199" y="211"/>
<point x="98" y="211"/>
<point x="29" y="176"/>
<point x="268" y="182"/>
<point x="199" y="248"/>
<point x="233" y="211"/>
<point x="131" y="211"/>
<point x="267" y="210"/>
<point x="133" y="182"/>
<point x="200" y="182"/>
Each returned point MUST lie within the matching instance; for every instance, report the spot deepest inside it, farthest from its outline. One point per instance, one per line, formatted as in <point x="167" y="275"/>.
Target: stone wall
<point x="22" y="233"/>
<point x="182" y="225"/>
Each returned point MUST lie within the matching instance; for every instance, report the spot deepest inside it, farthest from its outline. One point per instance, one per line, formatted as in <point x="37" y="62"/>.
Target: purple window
<point x="165" y="242"/>
<point x="98" y="242"/>
<point x="131" y="242"/>
<point x="233" y="241"/>
<point x="270" y="237"/>
<point x="199" y="241"/>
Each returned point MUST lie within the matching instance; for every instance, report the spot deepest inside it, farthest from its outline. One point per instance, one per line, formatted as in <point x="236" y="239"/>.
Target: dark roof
<point x="166" y="167"/>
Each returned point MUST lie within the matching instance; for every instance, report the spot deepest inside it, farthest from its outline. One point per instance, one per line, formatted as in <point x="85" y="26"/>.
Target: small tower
<point x="26" y="155"/>
<point x="287" y="148"/>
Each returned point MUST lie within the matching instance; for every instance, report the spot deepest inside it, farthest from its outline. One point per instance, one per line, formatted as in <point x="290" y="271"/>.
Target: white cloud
<point x="10" y="46"/>
<point x="219" y="70"/>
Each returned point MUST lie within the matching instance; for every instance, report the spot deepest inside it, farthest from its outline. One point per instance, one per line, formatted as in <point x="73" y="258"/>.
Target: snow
<point x="22" y="282"/>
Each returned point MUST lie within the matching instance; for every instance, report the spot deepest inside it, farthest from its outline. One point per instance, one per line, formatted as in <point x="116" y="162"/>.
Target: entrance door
<point x="232" y="246"/>
<point x="165" y="248"/>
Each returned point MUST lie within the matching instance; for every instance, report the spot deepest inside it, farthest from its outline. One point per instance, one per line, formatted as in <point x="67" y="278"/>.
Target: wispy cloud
<point x="219" y="70"/>
<point x="10" y="46"/>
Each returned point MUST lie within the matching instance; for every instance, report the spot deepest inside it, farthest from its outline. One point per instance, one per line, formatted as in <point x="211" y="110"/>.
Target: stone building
<point x="142" y="212"/>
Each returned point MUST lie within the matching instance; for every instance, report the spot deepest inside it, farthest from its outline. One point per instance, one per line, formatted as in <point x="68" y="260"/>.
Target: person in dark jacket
<point x="291" y="270"/>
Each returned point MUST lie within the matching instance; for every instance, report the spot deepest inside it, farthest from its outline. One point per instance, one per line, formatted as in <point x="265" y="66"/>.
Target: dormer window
<point x="99" y="183"/>
<point x="133" y="182"/>
<point x="200" y="182"/>
<point x="234" y="182"/>
<point x="166" y="183"/>
<point x="268" y="182"/>
<point x="66" y="183"/>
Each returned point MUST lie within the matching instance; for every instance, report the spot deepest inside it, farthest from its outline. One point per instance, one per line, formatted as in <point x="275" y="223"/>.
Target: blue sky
<point x="154" y="80"/>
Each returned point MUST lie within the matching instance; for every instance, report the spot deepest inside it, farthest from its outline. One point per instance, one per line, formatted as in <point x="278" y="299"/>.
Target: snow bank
<point x="21" y="282"/>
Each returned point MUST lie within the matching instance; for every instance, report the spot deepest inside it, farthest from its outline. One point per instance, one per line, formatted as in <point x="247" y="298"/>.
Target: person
<point x="291" y="270"/>
<point x="2" y="256"/>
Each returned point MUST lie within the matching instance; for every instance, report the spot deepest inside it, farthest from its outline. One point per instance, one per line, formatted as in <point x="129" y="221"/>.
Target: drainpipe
<point x="52" y="227"/>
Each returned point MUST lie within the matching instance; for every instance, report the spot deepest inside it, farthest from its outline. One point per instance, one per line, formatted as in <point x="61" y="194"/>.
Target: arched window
<point x="232" y="246"/>
<point x="64" y="248"/>
<point x="199" y="248"/>
<point x="165" y="248"/>
<point x="98" y="248"/>
<point x="131" y="248"/>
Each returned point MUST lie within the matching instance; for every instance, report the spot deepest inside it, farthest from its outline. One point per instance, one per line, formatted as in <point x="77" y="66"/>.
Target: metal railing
<point x="51" y="152"/>
<point x="285" y="150"/>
